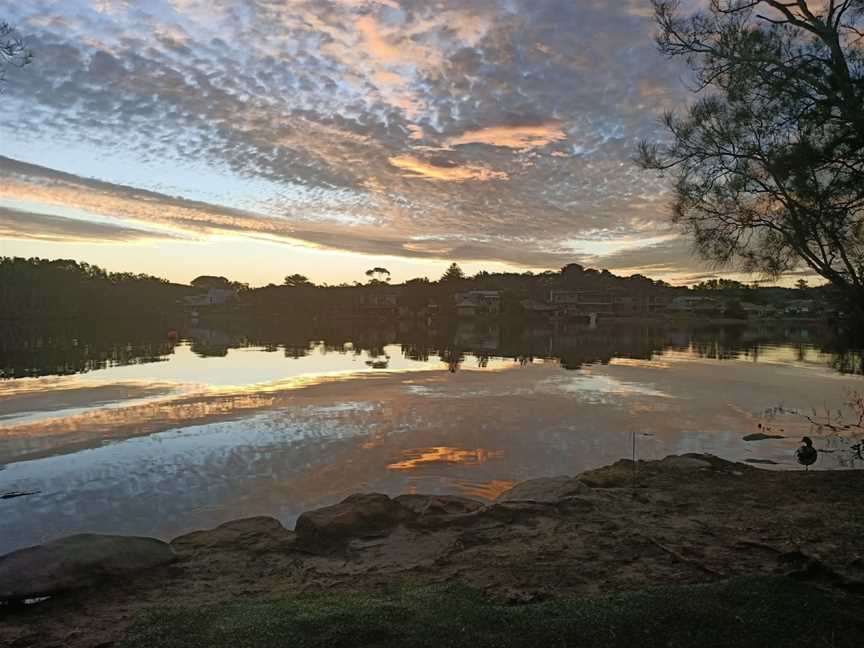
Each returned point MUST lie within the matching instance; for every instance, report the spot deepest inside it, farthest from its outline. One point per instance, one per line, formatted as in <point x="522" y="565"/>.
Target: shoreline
<point x="690" y="519"/>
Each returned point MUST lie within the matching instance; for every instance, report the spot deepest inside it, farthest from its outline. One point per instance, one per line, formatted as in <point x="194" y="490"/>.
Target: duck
<point x="806" y="454"/>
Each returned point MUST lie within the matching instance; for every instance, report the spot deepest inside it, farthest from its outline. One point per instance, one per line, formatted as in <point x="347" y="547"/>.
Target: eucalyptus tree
<point x="768" y="161"/>
<point x="378" y="275"/>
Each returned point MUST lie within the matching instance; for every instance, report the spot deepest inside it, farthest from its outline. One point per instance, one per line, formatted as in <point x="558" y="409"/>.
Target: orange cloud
<point x="375" y="41"/>
<point x="445" y="455"/>
<point x="521" y="138"/>
<point x="416" y="168"/>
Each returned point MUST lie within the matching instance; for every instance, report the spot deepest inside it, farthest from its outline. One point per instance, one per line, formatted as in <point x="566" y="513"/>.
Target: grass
<point x="743" y="612"/>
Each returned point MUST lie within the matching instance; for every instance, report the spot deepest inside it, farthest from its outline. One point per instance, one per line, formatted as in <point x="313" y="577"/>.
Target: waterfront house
<point x="582" y="302"/>
<point x="380" y="302"/>
<point x="478" y="303"/>
<point x="696" y="304"/>
<point x="213" y="297"/>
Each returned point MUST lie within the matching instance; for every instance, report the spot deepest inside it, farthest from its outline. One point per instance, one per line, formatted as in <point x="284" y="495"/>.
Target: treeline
<point x="298" y="295"/>
<point x="39" y="288"/>
<point x="66" y="289"/>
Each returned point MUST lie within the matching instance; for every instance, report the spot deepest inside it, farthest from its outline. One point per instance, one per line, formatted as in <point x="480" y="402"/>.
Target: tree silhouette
<point x="453" y="273"/>
<point x="769" y="162"/>
<point x="377" y="275"/>
<point x="210" y="281"/>
<point x="13" y="53"/>
<point x="296" y="280"/>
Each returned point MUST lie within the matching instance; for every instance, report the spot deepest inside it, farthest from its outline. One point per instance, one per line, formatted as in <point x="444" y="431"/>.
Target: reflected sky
<point x="165" y="447"/>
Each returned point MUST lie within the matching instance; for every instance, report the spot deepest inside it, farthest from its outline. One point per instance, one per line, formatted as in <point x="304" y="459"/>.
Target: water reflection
<point x="29" y="350"/>
<point x="152" y="434"/>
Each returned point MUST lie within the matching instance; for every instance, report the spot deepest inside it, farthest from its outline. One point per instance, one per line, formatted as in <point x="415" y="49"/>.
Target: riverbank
<point x="690" y="519"/>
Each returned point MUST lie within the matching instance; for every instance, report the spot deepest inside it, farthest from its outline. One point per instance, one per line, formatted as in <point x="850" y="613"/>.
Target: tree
<point x="296" y="280"/>
<point x="769" y="161"/>
<point x="209" y="281"/>
<point x="377" y="275"/>
<point x="720" y="284"/>
<point x="453" y="273"/>
<point x="13" y="53"/>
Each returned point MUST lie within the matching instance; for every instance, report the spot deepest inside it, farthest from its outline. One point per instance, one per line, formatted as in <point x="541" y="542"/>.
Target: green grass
<point x="743" y="612"/>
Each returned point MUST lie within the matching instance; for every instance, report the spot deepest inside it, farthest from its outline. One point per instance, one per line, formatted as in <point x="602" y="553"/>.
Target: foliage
<point x="63" y="288"/>
<point x="453" y="273"/>
<point x="769" y="161"/>
<point x="295" y="280"/>
<point x="378" y="275"/>
<point x="13" y="52"/>
<point x="205" y="282"/>
<point x="209" y="281"/>
<point x="720" y="284"/>
<point x="745" y="612"/>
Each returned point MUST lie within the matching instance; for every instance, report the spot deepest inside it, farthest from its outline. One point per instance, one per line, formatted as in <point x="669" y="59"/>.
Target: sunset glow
<point x="175" y="137"/>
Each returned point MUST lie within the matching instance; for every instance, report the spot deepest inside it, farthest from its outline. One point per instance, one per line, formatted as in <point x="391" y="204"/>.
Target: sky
<point x="259" y="138"/>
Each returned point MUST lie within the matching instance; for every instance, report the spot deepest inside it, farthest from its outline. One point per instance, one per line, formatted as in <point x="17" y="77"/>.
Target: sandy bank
<point x="690" y="519"/>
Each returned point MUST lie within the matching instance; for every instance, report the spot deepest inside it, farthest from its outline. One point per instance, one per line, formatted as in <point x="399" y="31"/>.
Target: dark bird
<point x="806" y="454"/>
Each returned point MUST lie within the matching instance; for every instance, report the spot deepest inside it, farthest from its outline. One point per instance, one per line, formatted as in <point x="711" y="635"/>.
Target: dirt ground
<point x="687" y="520"/>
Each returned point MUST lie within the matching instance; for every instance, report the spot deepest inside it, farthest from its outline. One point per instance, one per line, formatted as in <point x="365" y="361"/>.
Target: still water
<point x="130" y="429"/>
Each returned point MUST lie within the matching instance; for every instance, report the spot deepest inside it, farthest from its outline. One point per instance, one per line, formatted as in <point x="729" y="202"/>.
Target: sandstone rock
<point x="357" y="516"/>
<point x="618" y="475"/>
<point x="544" y="489"/>
<point x="684" y="463"/>
<point x="438" y="505"/>
<point x="257" y="534"/>
<point x="77" y="561"/>
<point x="438" y="511"/>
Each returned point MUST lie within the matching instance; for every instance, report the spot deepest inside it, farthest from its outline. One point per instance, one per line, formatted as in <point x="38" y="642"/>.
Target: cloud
<point x="495" y="130"/>
<point x="33" y="226"/>
<point x="416" y="168"/>
<point x="515" y="137"/>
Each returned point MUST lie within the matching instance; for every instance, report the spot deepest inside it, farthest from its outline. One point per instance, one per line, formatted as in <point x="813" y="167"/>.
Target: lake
<point x="138" y="429"/>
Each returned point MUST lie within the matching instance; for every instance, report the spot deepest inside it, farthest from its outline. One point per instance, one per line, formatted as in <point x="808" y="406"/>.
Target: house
<point x="696" y="304"/>
<point x="213" y="297"/>
<point x="382" y="302"/>
<point x="478" y="303"/>
<point x="534" y="308"/>
<point x="800" y="307"/>
<point x="757" y="310"/>
<point x="656" y="303"/>
<point x="582" y="302"/>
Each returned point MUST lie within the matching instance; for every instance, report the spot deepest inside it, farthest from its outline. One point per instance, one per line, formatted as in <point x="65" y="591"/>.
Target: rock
<point x="683" y="463"/>
<point x="438" y="511"/>
<point x="257" y="534"/>
<point x="618" y="475"/>
<point x="438" y="505"/>
<point x="358" y="516"/>
<point x="544" y="489"/>
<point x="77" y="561"/>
